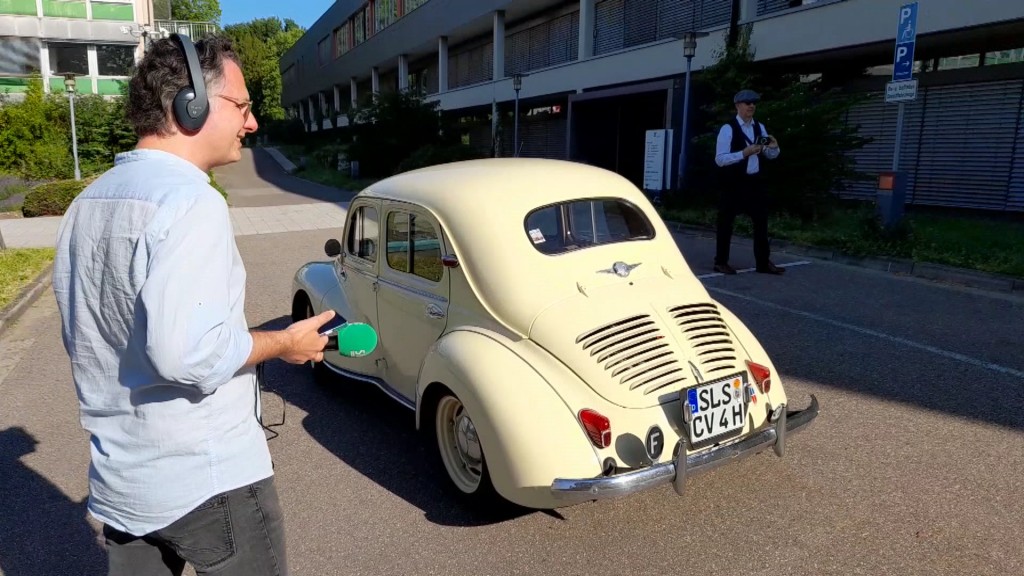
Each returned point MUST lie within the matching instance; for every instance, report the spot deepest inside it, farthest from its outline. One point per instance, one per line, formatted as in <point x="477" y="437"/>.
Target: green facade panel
<point x="13" y="85"/>
<point x="109" y="86"/>
<point x="18" y="7"/>
<point x="83" y="85"/>
<point x="64" y="8"/>
<point x="102" y="11"/>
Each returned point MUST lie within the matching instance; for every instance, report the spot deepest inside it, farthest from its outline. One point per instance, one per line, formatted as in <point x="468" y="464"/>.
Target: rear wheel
<point x="460" y="450"/>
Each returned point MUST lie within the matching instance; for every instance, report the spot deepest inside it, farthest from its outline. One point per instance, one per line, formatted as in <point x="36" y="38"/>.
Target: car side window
<point x="363" y="231"/>
<point x="413" y="246"/>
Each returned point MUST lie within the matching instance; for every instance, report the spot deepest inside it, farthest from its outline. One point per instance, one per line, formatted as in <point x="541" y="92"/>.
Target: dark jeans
<point x="239" y="532"/>
<point x="745" y="195"/>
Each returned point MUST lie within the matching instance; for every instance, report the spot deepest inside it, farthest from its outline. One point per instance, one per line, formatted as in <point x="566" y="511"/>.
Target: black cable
<point x="260" y="382"/>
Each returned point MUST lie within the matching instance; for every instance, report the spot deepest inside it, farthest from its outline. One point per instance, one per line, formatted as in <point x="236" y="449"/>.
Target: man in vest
<point x="741" y="144"/>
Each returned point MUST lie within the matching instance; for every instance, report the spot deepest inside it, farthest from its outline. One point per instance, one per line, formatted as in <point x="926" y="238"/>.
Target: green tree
<point x="260" y="43"/>
<point x="395" y="126"/>
<point x="196" y="10"/>
<point x="807" y="116"/>
<point x="35" y="139"/>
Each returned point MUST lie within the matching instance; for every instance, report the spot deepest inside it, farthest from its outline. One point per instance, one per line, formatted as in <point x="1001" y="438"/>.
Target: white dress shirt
<point x="723" y="155"/>
<point x="151" y="292"/>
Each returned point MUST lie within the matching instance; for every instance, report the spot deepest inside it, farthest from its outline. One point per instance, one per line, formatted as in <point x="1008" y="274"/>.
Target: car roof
<point x="518" y="184"/>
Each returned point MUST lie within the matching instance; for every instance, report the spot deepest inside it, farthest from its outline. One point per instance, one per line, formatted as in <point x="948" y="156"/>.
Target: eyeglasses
<point x="245" y="106"/>
<point x="748" y="103"/>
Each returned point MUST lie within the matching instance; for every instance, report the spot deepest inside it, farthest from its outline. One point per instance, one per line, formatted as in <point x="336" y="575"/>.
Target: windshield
<point x="568" y="226"/>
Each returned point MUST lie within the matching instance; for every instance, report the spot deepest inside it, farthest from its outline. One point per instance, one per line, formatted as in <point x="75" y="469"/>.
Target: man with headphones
<point x="151" y="292"/>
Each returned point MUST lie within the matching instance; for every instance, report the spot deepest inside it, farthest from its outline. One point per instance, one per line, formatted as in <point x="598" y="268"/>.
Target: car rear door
<point x="413" y="292"/>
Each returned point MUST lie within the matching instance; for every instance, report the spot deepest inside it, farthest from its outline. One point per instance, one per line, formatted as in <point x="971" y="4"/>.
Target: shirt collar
<point x="743" y="122"/>
<point x="140" y="154"/>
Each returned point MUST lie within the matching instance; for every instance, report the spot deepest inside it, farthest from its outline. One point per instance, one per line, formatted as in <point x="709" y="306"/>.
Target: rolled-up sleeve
<point x="187" y="300"/>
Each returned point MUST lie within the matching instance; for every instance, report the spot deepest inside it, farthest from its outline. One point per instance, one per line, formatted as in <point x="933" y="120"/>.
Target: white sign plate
<point x="901" y="91"/>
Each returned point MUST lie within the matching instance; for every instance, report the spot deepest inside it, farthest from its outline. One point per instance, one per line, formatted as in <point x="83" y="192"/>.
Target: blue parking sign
<point x="906" y="37"/>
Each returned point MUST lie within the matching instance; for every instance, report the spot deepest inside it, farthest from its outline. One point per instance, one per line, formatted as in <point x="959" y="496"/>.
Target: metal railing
<point x="194" y="30"/>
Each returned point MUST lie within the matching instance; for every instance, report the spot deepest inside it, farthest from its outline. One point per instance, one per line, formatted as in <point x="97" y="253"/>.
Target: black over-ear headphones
<point x="191" y="106"/>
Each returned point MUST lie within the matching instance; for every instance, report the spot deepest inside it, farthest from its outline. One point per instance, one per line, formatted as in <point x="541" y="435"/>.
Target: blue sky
<point x="304" y="12"/>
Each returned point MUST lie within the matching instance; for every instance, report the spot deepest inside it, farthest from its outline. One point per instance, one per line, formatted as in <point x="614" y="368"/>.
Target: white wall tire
<point x="461" y="451"/>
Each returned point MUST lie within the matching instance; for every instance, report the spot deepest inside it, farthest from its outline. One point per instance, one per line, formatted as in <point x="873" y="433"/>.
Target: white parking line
<point x="868" y="332"/>
<point x="747" y="270"/>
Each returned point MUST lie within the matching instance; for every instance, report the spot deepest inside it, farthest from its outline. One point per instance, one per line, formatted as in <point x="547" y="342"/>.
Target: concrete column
<point x="403" y="72"/>
<point x="748" y="10"/>
<point x="94" y="66"/>
<point x="498" y="67"/>
<point x="44" y="64"/>
<point x="88" y="10"/>
<point x="337" y="98"/>
<point x="442" y="64"/>
<point x="586" y="48"/>
<point x="375" y="81"/>
<point x="353" y="92"/>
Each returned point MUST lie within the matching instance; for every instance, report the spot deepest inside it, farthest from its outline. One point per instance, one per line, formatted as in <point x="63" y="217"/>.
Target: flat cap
<point x="746" y="96"/>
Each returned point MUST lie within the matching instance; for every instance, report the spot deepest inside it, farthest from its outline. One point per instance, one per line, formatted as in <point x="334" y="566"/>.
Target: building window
<point x="343" y="39"/>
<point x="323" y="51"/>
<point x="65" y="58"/>
<point x="1005" y="57"/>
<point x="21" y="56"/>
<point x="386" y="12"/>
<point x="115" y="59"/>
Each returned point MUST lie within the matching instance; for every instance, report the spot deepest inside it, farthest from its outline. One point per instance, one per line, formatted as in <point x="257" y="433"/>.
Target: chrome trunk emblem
<point x="620" y="269"/>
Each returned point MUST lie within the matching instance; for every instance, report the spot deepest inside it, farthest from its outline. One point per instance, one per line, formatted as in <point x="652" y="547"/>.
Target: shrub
<point x="52" y="198"/>
<point x="431" y="155"/>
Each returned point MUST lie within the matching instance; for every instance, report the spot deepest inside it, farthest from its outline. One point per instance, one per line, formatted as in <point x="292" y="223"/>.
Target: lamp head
<point x="69" y="82"/>
<point x="689" y="44"/>
<point x="517" y="81"/>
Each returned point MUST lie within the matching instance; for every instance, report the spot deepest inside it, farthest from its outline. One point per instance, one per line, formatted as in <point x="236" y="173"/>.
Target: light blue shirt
<point x="723" y="157"/>
<point x="151" y="292"/>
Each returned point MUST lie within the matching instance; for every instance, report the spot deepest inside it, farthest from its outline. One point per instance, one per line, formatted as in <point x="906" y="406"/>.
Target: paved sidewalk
<point x="264" y="198"/>
<point x="42" y="232"/>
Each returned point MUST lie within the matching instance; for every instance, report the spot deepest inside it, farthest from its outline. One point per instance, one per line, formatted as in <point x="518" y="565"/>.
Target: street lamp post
<point x="69" y="85"/>
<point x="689" y="50"/>
<point x="517" y="84"/>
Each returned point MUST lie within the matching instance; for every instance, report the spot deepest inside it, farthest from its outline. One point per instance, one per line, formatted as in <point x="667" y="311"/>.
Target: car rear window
<point x="568" y="226"/>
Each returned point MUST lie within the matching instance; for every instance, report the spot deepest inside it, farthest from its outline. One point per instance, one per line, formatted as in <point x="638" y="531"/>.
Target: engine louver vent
<point x="704" y="328"/>
<point x="636" y="353"/>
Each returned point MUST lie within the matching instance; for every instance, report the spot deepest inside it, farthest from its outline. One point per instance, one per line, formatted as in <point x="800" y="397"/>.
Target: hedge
<point x="52" y="198"/>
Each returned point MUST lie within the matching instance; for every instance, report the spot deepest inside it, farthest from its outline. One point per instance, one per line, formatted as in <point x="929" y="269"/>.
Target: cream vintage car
<point x="540" y="320"/>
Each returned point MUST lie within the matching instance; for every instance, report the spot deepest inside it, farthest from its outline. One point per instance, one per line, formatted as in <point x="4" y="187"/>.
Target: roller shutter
<point x="641" y="22"/>
<point x="966" y="145"/>
<point x="609" y="26"/>
<point x="769" y="6"/>
<point x="1015" y="200"/>
<point x="960" y="147"/>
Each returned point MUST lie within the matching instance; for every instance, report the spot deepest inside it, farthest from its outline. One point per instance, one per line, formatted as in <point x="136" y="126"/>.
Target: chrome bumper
<point x="676" y="471"/>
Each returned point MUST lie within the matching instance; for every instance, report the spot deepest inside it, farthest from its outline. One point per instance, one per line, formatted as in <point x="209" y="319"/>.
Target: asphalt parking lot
<point x="914" y="466"/>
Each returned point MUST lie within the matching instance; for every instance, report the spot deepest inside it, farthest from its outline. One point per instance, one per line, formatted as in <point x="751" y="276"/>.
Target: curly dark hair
<point x="161" y="74"/>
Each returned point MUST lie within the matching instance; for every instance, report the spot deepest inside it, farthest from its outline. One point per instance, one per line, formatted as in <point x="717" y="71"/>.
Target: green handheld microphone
<point x="351" y="339"/>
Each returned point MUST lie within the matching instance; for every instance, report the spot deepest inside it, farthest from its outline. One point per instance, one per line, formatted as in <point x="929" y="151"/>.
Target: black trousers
<point x="743" y="195"/>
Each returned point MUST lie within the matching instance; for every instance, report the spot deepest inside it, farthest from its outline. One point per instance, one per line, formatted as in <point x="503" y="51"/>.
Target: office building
<point x="596" y="75"/>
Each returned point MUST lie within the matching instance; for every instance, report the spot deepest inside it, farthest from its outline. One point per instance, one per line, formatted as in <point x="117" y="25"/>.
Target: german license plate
<point x="716" y="409"/>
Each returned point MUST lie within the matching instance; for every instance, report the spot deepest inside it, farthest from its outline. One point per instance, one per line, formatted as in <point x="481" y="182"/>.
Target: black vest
<point x="739" y="142"/>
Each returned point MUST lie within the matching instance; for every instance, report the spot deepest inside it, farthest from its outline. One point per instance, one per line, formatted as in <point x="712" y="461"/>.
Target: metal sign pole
<point x="899" y="138"/>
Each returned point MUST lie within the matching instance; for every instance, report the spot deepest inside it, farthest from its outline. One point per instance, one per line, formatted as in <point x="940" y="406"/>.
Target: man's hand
<point x="305" y="341"/>
<point x="752" y="149"/>
<point x="773" y="142"/>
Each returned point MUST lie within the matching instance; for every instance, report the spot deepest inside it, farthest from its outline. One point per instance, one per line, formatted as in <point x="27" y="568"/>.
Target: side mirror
<point x="332" y="248"/>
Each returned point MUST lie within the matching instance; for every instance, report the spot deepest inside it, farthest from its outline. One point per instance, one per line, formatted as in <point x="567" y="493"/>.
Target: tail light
<point x="762" y="375"/>
<point x="598" y="427"/>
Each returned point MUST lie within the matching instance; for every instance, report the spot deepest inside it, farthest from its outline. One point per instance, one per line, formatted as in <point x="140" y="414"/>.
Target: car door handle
<point x="433" y="311"/>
